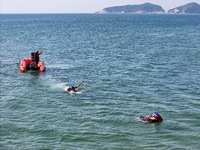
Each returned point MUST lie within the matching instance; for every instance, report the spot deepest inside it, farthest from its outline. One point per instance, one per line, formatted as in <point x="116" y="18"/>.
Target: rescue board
<point x="141" y="119"/>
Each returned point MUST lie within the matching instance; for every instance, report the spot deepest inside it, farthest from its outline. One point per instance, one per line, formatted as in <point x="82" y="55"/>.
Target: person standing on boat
<point x="35" y="58"/>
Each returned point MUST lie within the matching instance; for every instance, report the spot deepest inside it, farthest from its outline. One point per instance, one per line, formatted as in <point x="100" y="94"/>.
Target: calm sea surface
<point x="131" y="65"/>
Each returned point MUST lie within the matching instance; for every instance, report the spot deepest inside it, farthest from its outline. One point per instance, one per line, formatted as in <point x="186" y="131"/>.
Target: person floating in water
<point x="154" y="118"/>
<point x="72" y="89"/>
<point x="35" y="58"/>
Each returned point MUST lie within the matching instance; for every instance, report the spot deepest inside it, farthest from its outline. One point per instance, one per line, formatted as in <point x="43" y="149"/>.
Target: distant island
<point x="148" y="8"/>
<point x="189" y="8"/>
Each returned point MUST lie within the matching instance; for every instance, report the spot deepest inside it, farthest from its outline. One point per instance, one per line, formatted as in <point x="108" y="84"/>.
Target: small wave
<point x="57" y="85"/>
<point x="60" y="66"/>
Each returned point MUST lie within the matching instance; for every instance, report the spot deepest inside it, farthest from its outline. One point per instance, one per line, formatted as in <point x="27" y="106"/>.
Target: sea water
<point x="131" y="65"/>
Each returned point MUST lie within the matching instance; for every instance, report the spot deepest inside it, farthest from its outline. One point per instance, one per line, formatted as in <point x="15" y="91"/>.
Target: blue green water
<point x="131" y="65"/>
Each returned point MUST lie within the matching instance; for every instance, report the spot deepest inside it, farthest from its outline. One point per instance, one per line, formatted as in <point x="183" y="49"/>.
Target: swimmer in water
<point x="73" y="88"/>
<point x="154" y="118"/>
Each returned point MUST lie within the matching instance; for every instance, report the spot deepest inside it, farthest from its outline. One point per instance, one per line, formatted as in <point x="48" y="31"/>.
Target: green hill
<point x="190" y="8"/>
<point x="146" y="8"/>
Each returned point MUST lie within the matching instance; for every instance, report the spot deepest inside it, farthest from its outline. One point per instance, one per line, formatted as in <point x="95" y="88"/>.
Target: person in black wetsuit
<point x="35" y="58"/>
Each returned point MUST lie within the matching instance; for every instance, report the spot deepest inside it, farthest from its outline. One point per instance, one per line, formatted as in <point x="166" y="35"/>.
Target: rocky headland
<point x="148" y="8"/>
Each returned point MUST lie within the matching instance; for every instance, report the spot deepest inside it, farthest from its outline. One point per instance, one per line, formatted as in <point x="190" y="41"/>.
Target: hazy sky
<point x="78" y="6"/>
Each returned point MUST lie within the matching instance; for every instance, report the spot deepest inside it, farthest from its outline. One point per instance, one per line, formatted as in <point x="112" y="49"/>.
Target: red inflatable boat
<point x="28" y="64"/>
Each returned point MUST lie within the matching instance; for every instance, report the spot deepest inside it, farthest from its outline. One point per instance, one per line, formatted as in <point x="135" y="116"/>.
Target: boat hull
<point x="25" y="65"/>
